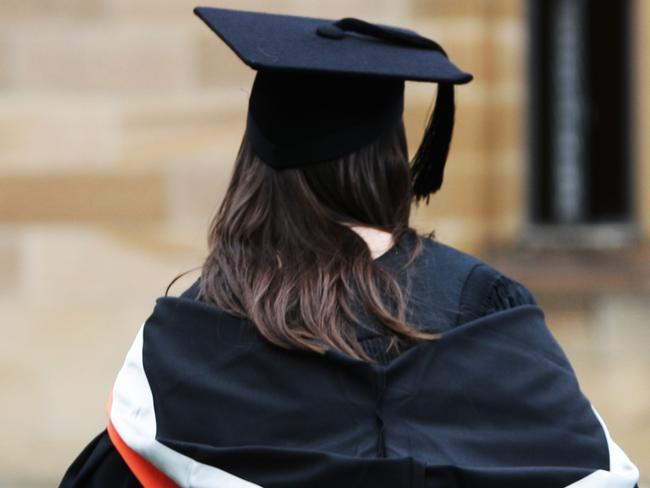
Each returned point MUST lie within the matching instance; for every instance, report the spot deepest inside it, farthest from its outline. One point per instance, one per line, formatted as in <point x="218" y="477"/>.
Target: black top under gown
<point x="448" y="288"/>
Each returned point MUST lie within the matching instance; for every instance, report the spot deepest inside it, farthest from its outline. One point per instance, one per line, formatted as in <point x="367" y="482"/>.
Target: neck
<point x="378" y="241"/>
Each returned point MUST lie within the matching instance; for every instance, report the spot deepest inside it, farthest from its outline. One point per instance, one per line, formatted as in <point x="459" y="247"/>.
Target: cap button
<point x="330" y="31"/>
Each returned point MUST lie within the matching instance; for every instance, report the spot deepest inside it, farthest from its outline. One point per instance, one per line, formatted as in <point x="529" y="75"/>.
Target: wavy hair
<point x="282" y="256"/>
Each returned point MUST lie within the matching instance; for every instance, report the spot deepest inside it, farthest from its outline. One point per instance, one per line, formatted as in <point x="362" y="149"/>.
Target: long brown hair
<point x="282" y="256"/>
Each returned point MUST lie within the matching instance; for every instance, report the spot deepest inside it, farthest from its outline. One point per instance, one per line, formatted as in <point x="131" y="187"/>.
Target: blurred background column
<point x="581" y="126"/>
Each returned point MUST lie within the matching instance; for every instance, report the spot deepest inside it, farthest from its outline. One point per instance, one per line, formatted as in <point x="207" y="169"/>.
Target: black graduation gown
<point x="490" y="404"/>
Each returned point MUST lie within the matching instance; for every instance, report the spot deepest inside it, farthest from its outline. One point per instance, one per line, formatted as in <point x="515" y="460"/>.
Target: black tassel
<point x="428" y="164"/>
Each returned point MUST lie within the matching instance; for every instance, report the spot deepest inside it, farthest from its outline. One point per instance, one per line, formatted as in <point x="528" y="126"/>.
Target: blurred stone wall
<point x="119" y="122"/>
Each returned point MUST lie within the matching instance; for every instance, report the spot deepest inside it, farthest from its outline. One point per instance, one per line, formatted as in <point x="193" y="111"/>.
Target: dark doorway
<point x="579" y="112"/>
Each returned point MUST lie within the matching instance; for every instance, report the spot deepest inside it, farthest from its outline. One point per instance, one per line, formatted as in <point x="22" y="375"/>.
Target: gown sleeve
<point x="99" y="465"/>
<point x="506" y="293"/>
<point x="487" y="291"/>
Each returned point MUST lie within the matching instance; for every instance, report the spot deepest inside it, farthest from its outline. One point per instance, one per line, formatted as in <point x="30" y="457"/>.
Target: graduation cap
<point x="326" y="88"/>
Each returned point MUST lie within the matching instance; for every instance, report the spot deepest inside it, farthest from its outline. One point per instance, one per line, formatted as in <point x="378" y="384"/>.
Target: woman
<point x="326" y="342"/>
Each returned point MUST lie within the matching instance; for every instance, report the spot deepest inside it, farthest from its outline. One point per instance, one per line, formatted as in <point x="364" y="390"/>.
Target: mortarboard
<point x="326" y="88"/>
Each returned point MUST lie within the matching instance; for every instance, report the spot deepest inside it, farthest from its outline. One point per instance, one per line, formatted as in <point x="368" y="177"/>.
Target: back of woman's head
<point x="281" y="253"/>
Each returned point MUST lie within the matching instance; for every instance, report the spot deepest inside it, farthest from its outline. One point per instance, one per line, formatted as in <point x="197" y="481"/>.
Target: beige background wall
<point x="119" y="122"/>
